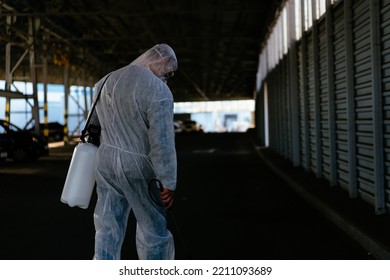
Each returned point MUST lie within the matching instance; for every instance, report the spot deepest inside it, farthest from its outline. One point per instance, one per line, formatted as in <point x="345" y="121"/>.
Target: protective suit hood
<point x="161" y="60"/>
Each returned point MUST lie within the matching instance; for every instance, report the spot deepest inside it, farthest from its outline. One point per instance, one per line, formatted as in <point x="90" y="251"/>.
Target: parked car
<point x="190" y="126"/>
<point x="178" y="126"/>
<point x="21" y="144"/>
<point x="56" y="130"/>
<point x="3" y="154"/>
<point x="185" y="126"/>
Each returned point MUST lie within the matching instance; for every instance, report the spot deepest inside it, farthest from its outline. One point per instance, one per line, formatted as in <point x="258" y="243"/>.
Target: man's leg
<point x="110" y="218"/>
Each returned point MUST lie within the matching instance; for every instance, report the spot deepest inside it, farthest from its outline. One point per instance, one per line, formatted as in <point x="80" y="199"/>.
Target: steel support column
<point x="66" y="104"/>
<point x="8" y="73"/>
<point x="44" y="80"/>
<point x="33" y="27"/>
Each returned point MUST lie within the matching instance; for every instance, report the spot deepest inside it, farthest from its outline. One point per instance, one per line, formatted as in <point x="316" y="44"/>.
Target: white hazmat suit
<point x="135" y="113"/>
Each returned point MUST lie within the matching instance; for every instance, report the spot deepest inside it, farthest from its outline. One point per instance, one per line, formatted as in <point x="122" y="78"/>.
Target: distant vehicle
<point x="56" y="131"/>
<point x="190" y="126"/>
<point x="185" y="126"/>
<point x="21" y="144"/>
<point x="3" y="154"/>
<point x="178" y="126"/>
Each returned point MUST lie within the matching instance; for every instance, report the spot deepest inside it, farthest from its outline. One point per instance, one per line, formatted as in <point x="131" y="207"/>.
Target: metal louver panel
<point x="324" y="99"/>
<point x="385" y="45"/>
<point x="285" y="110"/>
<point x="273" y="98"/>
<point x="340" y="88"/>
<point x="363" y="100"/>
<point x="311" y="102"/>
<point x="279" y="111"/>
<point x="302" y="91"/>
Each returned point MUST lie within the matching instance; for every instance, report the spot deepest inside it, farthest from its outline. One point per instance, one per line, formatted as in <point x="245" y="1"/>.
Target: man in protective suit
<point x="137" y="149"/>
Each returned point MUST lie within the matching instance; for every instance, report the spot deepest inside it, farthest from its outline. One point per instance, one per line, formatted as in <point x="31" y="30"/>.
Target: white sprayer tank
<point x="80" y="179"/>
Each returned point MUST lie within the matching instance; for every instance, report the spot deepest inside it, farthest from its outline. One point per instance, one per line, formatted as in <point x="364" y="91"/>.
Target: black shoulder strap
<point x="84" y="131"/>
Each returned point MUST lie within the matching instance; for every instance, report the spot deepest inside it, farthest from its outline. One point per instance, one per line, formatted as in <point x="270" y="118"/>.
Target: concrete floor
<point x="229" y="205"/>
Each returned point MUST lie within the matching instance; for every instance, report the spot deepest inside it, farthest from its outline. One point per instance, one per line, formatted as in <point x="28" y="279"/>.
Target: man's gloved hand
<point x="166" y="197"/>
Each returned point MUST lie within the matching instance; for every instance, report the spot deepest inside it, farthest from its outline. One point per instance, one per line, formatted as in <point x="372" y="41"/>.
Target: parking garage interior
<point x="308" y="179"/>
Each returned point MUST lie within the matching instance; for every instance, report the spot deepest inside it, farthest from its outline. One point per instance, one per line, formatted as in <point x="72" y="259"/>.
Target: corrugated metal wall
<point x="343" y="98"/>
<point x="385" y="48"/>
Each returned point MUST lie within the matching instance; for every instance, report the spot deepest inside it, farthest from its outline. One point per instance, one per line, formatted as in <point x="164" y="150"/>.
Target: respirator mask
<point x="166" y="76"/>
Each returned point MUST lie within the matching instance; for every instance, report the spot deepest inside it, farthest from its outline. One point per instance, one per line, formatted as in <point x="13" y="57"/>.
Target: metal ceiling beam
<point x="213" y="40"/>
